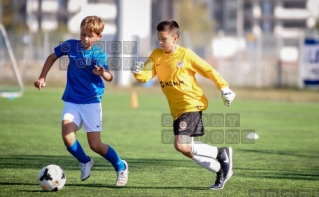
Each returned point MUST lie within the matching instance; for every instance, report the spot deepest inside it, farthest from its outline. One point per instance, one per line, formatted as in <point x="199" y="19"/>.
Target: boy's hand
<point x="98" y="70"/>
<point x="39" y="83"/>
<point x="137" y="67"/>
<point x="227" y="95"/>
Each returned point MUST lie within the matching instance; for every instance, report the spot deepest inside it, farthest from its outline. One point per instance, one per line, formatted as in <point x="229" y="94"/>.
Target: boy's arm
<point x="107" y="76"/>
<point x="47" y="66"/>
<point x="104" y="73"/>
<point x="146" y="73"/>
<point x="203" y="68"/>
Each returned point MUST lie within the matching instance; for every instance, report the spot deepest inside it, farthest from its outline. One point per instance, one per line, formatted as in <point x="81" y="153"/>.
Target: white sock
<point x="208" y="163"/>
<point x="201" y="149"/>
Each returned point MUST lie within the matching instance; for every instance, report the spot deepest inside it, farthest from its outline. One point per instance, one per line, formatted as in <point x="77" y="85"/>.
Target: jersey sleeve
<point x="204" y="69"/>
<point x="62" y="49"/>
<point x="148" y="71"/>
<point x="101" y="60"/>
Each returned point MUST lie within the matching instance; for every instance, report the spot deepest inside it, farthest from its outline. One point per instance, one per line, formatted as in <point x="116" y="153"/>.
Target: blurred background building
<point x="256" y="43"/>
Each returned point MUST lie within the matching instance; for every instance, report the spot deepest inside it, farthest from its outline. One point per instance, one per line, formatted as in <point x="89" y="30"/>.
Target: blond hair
<point x="93" y="23"/>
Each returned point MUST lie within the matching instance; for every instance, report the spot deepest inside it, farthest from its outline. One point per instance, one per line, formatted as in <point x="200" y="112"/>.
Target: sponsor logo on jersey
<point x="180" y="64"/>
<point x="171" y="83"/>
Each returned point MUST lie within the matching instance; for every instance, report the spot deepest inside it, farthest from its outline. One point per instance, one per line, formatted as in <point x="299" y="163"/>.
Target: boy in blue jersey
<point x="82" y="96"/>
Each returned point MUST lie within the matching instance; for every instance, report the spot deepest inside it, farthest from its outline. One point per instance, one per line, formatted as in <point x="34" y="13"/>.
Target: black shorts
<point x="189" y="123"/>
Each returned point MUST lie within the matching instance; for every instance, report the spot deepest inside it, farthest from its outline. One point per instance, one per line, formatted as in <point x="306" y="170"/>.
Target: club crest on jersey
<point x="182" y="125"/>
<point x="180" y="64"/>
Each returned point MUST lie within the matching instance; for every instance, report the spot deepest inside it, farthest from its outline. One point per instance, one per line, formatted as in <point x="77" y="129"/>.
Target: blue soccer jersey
<point x="83" y="86"/>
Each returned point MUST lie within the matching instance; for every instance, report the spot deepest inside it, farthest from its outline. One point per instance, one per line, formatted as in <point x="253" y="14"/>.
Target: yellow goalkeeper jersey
<point x="176" y="76"/>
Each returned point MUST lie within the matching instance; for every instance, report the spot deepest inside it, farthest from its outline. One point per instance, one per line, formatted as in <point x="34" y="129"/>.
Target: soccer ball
<point x="52" y="178"/>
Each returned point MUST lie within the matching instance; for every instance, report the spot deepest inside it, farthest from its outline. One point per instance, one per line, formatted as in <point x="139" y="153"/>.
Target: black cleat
<point x="220" y="181"/>
<point x="225" y="158"/>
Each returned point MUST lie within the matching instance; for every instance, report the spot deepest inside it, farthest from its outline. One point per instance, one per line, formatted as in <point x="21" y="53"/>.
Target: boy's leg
<point x="71" y="122"/>
<point x="223" y="155"/>
<point x="222" y="167"/>
<point x="183" y="144"/>
<point x="190" y="124"/>
<point x="92" y="122"/>
<point x="199" y="148"/>
<point x="106" y="151"/>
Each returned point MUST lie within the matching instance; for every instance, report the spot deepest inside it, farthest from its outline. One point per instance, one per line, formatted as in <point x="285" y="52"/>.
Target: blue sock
<point x="77" y="151"/>
<point x="114" y="159"/>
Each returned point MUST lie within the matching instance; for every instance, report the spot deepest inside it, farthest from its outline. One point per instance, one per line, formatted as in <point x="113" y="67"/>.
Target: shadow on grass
<point x="138" y="187"/>
<point x="70" y="163"/>
<point x="272" y="174"/>
<point x="313" y="154"/>
<point x="280" y="165"/>
<point x="21" y="162"/>
<point x="103" y="186"/>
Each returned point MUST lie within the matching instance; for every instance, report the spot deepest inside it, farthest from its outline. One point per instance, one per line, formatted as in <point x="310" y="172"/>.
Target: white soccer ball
<point x="52" y="178"/>
<point x="252" y="136"/>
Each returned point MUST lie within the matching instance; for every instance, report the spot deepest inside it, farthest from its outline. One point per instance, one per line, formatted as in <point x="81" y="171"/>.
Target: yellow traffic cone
<point x="134" y="100"/>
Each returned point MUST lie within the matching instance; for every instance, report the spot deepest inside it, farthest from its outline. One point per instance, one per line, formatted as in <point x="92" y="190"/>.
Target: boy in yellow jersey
<point x="175" y="68"/>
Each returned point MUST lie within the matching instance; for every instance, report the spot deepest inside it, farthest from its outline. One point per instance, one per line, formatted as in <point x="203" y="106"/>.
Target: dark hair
<point x="169" y="26"/>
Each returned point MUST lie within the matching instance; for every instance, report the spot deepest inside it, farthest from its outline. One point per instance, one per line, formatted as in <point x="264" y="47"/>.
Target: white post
<point x="134" y="19"/>
<point x="1" y="11"/>
<point x="46" y="45"/>
<point x="301" y="61"/>
<point x="15" y="67"/>
<point x="240" y="33"/>
<point x="221" y="65"/>
<point x="259" y="61"/>
<point x="258" y="34"/>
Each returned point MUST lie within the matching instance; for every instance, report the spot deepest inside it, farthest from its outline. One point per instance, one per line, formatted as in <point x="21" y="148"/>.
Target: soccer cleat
<point x="86" y="169"/>
<point x="220" y="181"/>
<point x="225" y="158"/>
<point x="122" y="176"/>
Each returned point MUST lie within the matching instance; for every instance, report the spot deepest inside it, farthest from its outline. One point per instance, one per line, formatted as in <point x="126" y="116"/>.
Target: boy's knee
<point x="94" y="147"/>
<point x="97" y="147"/>
<point x="68" y="132"/>
<point x="183" y="148"/>
<point x="68" y="140"/>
